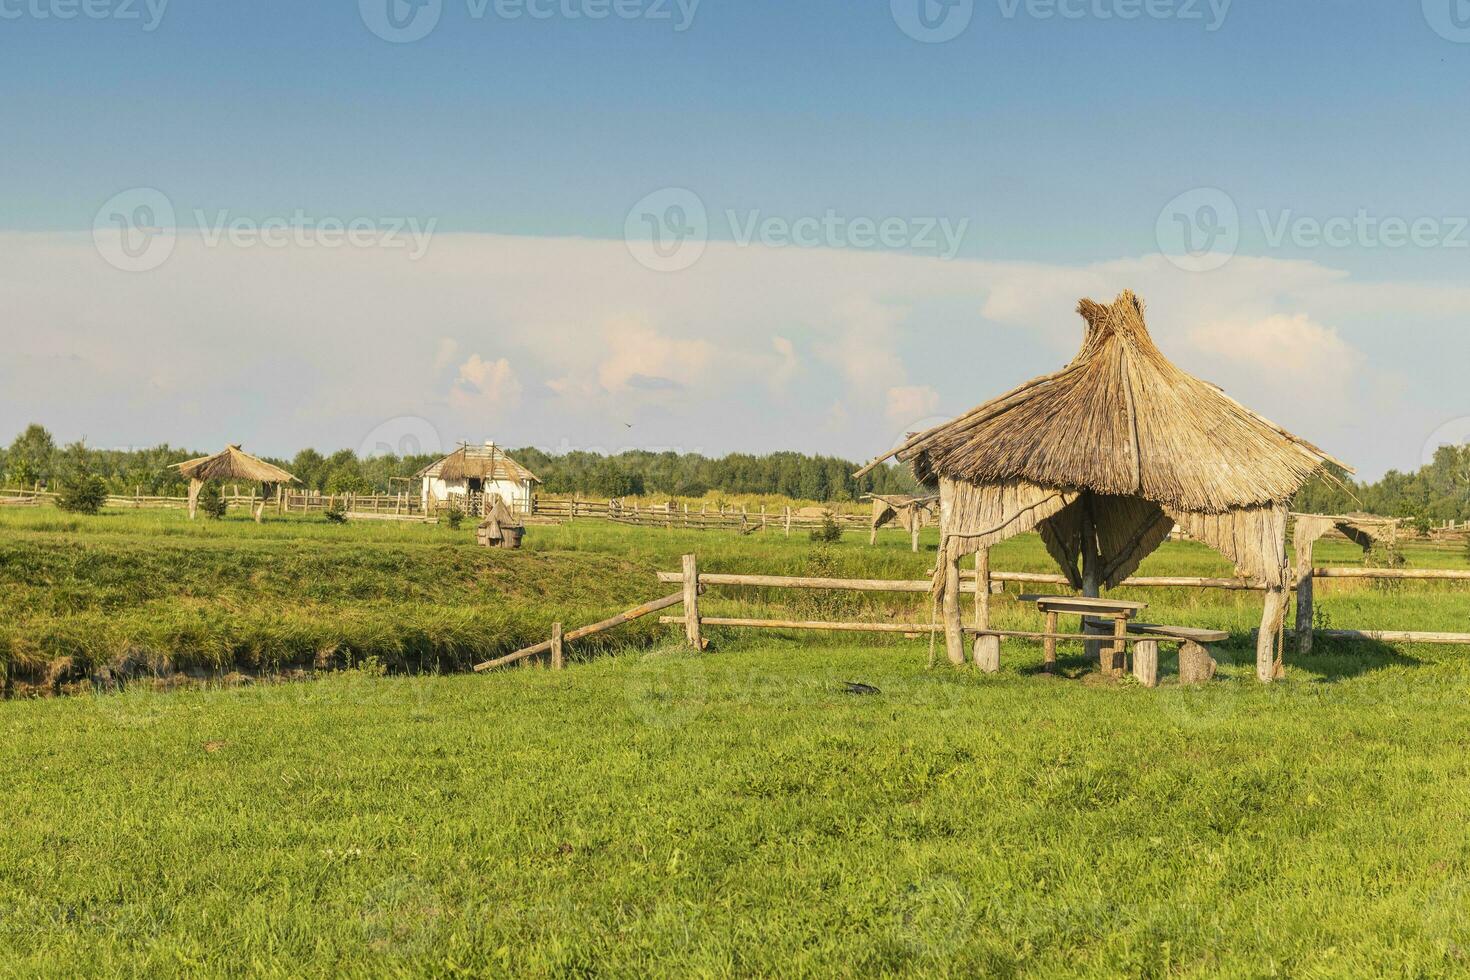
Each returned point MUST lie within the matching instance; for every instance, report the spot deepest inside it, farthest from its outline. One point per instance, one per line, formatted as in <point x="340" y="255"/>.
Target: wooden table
<point x="1111" y="656"/>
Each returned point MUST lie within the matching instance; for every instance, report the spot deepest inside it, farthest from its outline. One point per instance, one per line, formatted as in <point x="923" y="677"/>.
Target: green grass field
<point x="650" y="811"/>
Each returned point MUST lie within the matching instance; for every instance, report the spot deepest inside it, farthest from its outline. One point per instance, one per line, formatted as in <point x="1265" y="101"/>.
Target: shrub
<point x="212" y="501"/>
<point x="829" y="532"/>
<point x="454" y="517"/>
<point x="336" y="514"/>
<point x="84" y="494"/>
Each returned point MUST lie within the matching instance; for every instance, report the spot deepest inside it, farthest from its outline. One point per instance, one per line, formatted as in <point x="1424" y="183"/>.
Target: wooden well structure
<point x="233" y="463"/>
<point x="1103" y="458"/>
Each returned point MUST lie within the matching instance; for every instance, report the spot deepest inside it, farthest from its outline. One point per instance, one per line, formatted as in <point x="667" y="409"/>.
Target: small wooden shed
<point x="1103" y="458"/>
<point x="471" y="474"/>
<point x="232" y="463"/>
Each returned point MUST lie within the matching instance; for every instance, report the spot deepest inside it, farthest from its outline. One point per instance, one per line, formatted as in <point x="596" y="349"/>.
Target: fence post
<point x="557" y="656"/>
<point x="1304" y="615"/>
<point x="691" y="603"/>
<point x="788" y="521"/>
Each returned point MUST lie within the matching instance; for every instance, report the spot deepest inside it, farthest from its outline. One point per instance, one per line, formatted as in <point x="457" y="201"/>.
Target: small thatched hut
<point x="1103" y="458"/>
<point x="910" y="513"/>
<point x="232" y="463"/>
<point x="471" y="474"/>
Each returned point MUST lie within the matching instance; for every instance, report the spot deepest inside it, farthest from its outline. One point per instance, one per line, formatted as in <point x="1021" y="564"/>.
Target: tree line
<point x="1437" y="492"/>
<point x="34" y="458"/>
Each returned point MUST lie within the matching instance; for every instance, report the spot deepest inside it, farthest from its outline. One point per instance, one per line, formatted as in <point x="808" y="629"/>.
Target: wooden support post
<point x="1049" y="645"/>
<point x="987" y="653"/>
<point x="982" y="589"/>
<point x="558" y="658"/>
<point x="788" y="522"/>
<point x="1115" y="652"/>
<point x="1272" y="617"/>
<point x="1146" y="662"/>
<point x="914" y="540"/>
<point x="691" y="603"/>
<point x="1304" y="612"/>
<point x="194" y="487"/>
<point x="954" y="635"/>
<point x="1091" y="572"/>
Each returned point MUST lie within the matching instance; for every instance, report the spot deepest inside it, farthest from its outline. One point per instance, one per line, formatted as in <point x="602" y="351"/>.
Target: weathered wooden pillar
<point x="1115" y="654"/>
<point x="1272" y="617"/>
<point x="954" y="629"/>
<point x="1146" y="662"/>
<point x="1091" y="572"/>
<point x="982" y="588"/>
<point x="1304" y="598"/>
<point x="691" y="603"/>
<point x="194" y="487"/>
<point x="558" y="657"/>
<point x="914" y="540"/>
<point x="1049" y="645"/>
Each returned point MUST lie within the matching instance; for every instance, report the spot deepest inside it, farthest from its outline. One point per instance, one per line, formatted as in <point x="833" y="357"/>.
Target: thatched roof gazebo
<point x="231" y="463"/>
<point x="1103" y="458"/>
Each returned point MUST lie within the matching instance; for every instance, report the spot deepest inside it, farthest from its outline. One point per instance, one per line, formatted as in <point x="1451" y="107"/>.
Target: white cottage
<point x="471" y="472"/>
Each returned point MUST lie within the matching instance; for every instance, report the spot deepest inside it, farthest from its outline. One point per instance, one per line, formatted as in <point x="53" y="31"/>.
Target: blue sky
<point x="1057" y="140"/>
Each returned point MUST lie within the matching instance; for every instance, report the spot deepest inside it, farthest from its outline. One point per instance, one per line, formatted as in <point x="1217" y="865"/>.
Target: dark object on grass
<point x="211" y="500"/>
<point x="853" y="687"/>
<point x="336" y="514"/>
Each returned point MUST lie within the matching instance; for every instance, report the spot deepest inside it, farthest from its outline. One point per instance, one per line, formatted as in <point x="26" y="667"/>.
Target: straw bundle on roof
<point x="232" y="463"/>
<point x="487" y="462"/>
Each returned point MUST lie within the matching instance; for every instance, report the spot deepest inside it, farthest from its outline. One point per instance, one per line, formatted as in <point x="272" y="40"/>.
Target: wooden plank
<point x="1397" y="636"/>
<point x="1181" y="632"/>
<point x="1066" y="603"/>
<point x="905" y="628"/>
<point x="557" y="654"/>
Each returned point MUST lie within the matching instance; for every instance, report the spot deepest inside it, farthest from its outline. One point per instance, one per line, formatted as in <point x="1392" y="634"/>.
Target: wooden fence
<point x="693" y="584"/>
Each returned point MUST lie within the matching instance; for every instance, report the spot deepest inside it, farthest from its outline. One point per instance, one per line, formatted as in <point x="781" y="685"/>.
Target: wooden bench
<point x="1196" y="662"/>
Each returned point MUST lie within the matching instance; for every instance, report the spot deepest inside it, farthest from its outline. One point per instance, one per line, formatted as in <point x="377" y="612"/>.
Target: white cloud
<point x="907" y="403"/>
<point x="310" y="348"/>
<point x="486" y="386"/>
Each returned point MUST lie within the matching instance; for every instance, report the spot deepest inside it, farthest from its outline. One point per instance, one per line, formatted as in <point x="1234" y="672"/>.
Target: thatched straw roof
<point x="487" y="462"/>
<point x="232" y="463"/>
<point x="1121" y="419"/>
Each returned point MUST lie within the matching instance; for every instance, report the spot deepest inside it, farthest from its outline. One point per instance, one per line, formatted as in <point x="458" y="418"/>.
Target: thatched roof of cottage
<point x="233" y="463"/>
<point x="1121" y="419"/>
<point x="487" y="462"/>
